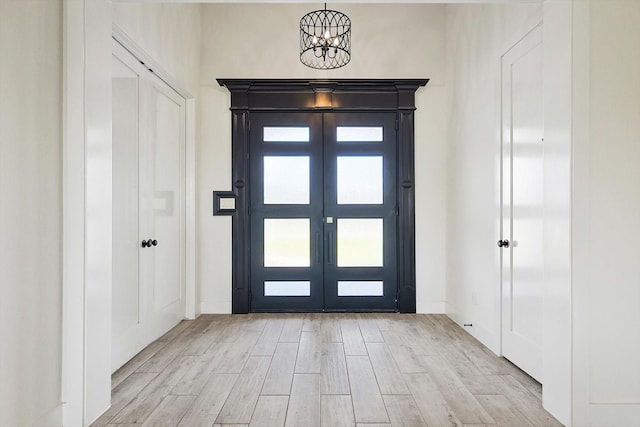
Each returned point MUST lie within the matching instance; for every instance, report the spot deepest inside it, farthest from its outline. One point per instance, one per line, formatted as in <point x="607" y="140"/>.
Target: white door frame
<point x="87" y="205"/>
<point x="149" y="328"/>
<point x="190" y="164"/>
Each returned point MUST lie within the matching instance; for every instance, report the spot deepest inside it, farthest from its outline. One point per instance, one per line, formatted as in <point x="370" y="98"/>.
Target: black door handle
<point x="503" y="243"/>
<point x="149" y="243"/>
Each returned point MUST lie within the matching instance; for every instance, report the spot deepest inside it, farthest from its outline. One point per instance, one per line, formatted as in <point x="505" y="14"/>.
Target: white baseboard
<point x="431" y="307"/>
<point x="52" y="418"/>
<point x="224" y="307"/>
<point x="485" y="336"/>
<point x="215" y="307"/>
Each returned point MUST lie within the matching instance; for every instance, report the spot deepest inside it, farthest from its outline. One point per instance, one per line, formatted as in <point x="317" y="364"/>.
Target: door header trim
<point x="300" y="94"/>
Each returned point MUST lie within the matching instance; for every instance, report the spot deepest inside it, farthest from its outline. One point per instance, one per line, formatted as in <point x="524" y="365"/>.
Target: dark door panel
<point x="286" y="212"/>
<point x="323" y="211"/>
<point x="360" y="211"/>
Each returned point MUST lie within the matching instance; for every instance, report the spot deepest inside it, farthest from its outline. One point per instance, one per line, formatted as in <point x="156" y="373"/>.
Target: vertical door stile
<point x="144" y="150"/>
<point x="126" y="263"/>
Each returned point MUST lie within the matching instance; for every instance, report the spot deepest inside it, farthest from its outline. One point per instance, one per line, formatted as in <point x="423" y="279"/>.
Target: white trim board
<point x="431" y="307"/>
<point x="73" y="217"/>
<point x="52" y="418"/>
<point x="145" y="59"/>
<point x="489" y="339"/>
<point x="215" y="307"/>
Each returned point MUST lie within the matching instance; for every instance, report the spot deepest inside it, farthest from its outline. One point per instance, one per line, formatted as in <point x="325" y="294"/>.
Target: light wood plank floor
<point x="333" y="370"/>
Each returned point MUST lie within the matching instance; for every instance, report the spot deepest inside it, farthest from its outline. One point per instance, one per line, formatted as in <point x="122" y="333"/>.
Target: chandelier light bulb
<point x="336" y="41"/>
<point x="315" y="40"/>
<point x="327" y="34"/>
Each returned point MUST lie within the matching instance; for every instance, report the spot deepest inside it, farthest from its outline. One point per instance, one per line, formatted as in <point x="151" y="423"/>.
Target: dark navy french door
<point x="323" y="211"/>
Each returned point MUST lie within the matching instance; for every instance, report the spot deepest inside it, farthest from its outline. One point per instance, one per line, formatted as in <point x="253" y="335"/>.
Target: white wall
<point x="262" y="41"/>
<point x="477" y="36"/>
<point x="31" y="212"/>
<point x="169" y="33"/>
<point x="606" y="213"/>
<point x="87" y="209"/>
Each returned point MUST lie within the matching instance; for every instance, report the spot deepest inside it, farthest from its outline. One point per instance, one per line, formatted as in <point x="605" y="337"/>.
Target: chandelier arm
<point x="315" y="53"/>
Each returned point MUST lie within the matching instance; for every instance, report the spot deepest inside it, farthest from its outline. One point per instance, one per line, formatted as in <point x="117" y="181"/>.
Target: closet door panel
<point x="125" y="290"/>
<point x="148" y="207"/>
<point x="165" y="197"/>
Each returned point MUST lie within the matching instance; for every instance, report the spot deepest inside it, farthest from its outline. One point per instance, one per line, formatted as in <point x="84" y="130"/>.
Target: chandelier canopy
<point x="325" y="39"/>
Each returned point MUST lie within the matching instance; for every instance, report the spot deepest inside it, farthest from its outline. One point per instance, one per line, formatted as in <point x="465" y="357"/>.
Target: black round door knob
<point x="503" y="243"/>
<point x="144" y="244"/>
<point x="154" y="242"/>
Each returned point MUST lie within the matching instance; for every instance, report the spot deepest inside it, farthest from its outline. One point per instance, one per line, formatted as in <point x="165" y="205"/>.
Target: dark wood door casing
<point x="345" y="95"/>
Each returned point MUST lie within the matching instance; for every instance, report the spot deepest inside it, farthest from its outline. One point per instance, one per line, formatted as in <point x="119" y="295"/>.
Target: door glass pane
<point x="359" y="134"/>
<point x="287" y="242"/>
<point x="359" y="180"/>
<point x="287" y="289"/>
<point x="286" y="134"/>
<point x="360" y="242"/>
<point x="286" y="180"/>
<point x="360" y="289"/>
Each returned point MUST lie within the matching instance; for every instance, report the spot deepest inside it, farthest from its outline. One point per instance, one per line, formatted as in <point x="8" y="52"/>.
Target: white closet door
<point x="162" y="205"/>
<point x="148" y="206"/>
<point x="522" y="204"/>
<point x="127" y="332"/>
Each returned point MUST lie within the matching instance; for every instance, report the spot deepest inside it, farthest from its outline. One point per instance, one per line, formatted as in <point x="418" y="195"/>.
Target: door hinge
<point x="249" y="211"/>
<point x="396" y="124"/>
<point x="397" y="210"/>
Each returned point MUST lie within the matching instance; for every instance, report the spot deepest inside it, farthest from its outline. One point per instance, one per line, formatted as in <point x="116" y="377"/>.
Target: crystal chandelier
<point x="325" y="39"/>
